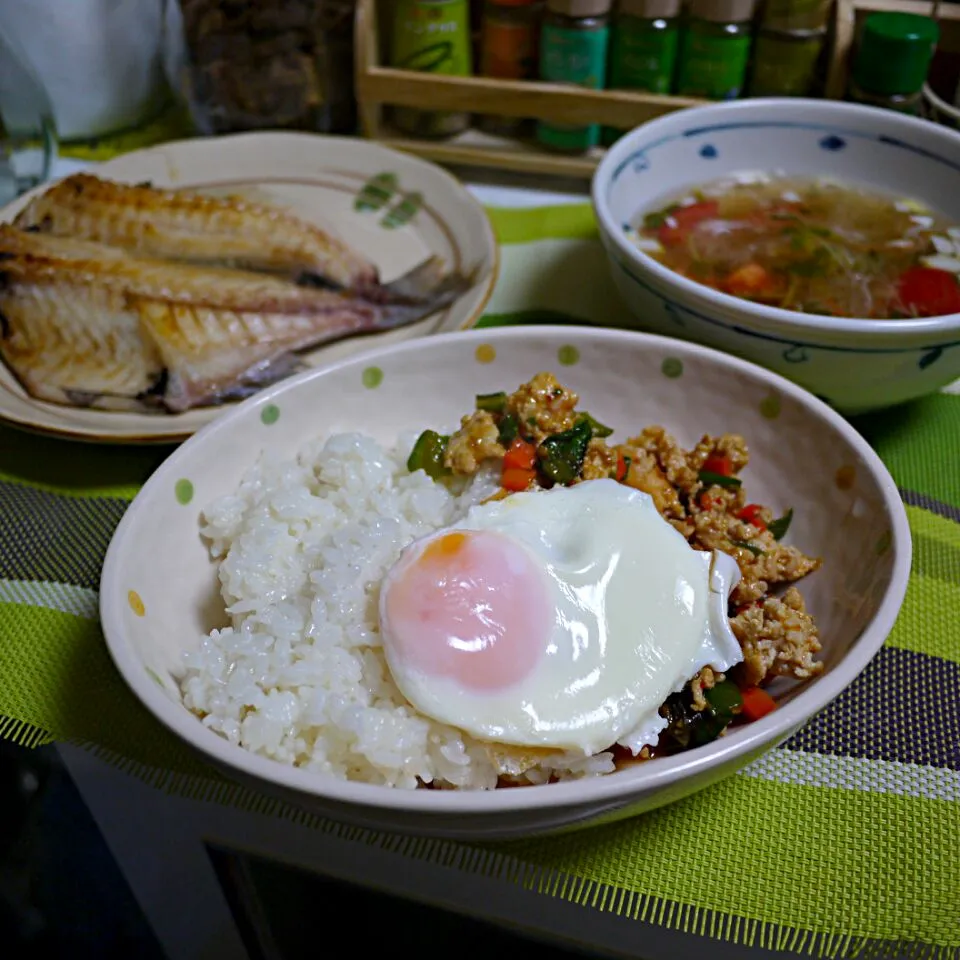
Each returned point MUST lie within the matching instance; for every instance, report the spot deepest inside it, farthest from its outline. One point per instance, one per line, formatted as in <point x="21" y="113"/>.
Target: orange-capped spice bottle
<point x="509" y="50"/>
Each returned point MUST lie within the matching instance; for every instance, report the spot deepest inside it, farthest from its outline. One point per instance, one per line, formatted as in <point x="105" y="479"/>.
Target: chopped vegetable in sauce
<point x="561" y="456"/>
<point x="427" y="454"/>
<point x="492" y="402"/>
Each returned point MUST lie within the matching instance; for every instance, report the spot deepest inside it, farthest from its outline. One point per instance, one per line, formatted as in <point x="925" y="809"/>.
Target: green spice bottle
<point x="715" y="49"/>
<point x="785" y="62"/>
<point x="573" y="49"/>
<point x="643" y="49"/>
<point x="796" y="14"/>
<point x="432" y="36"/>
<point x="892" y="60"/>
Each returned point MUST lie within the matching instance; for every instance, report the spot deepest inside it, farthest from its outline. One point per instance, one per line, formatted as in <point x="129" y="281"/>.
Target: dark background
<point x="62" y="894"/>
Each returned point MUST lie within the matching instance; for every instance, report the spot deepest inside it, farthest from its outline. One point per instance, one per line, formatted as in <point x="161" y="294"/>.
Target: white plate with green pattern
<point x="396" y="209"/>
<point x="160" y="593"/>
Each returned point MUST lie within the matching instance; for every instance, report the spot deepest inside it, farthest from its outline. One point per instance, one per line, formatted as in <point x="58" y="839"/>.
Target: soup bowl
<point x="854" y="364"/>
<point x="160" y="593"/>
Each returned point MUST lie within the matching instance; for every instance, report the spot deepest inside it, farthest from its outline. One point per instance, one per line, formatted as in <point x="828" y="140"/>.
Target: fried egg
<point x="557" y="619"/>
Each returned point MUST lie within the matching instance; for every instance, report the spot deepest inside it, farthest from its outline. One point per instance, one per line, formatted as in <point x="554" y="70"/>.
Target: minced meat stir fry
<point x="541" y="439"/>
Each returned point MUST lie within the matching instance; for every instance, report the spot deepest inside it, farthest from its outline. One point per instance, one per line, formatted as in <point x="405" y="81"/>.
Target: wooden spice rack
<point x="379" y="87"/>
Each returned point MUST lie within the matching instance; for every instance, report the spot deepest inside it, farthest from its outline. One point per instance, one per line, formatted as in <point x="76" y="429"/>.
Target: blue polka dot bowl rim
<point x="159" y="592"/>
<point x="854" y="364"/>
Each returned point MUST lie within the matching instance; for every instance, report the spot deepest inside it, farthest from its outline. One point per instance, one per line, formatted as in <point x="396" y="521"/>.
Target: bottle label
<point x="578" y="57"/>
<point x="432" y="37"/>
<point x="713" y="67"/>
<point x="642" y="58"/>
<point x="509" y="50"/>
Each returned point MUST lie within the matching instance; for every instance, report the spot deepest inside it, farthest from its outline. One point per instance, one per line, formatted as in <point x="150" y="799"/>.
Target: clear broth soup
<point x="810" y="245"/>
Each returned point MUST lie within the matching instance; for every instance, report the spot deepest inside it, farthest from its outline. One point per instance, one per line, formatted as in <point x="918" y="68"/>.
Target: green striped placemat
<point x="843" y="841"/>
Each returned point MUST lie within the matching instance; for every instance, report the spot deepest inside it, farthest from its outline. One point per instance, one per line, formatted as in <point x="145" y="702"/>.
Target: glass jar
<point x="573" y="49"/>
<point x="892" y="60"/>
<point x="265" y="64"/>
<point x="28" y="133"/>
<point x="796" y="14"/>
<point x="432" y="36"/>
<point x="643" y="49"/>
<point x="785" y="62"/>
<point x="715" y="49"/>
<point x="509" y="43"/>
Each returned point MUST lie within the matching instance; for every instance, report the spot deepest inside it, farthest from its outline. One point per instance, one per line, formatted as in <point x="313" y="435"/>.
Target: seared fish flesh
<point x="183" y="225"/>
<point x="43" y="257"/>
<point x="84" y="324"/>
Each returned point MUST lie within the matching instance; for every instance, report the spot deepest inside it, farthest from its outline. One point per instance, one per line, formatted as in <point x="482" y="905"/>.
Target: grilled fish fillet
<point x="90" y="325"/>
<point x="43" y="258"/>
<point x="76" y="345"/>
<point x="183" y="225"/>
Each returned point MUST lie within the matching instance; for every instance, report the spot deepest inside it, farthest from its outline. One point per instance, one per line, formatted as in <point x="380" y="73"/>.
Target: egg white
<point x="636" y="613"/>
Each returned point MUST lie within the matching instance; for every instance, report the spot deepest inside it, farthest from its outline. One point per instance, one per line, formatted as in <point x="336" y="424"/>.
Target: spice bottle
<point x="643" y="48"/>
<point x="715" y="49"/>
<point x="796" y="14"/>
<point x="892" y="60"/>
<point x="573" y="49"/>
<point x="510" y="38"/>
<point x="785" y="62"/>
<point x="432" y="36"/>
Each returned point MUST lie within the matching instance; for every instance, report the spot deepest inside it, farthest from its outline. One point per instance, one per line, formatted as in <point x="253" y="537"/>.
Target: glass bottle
<point x="28" y="133"/>
<point x="432" y="36"/>
<point x="510" y="37"/>
<point x="715" y="49"/>
<point x="573" y="49"/>
<point x="643" y="49"/>
<point x="785" y="62"/>
<point x="892" y="60"/>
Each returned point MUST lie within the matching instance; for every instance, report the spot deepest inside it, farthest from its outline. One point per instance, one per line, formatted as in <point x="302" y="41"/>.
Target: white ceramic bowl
<point x="159" y="590"/>
<point x="856" y="365"/>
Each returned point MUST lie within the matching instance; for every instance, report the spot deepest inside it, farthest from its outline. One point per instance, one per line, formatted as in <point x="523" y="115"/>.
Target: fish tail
<point x="426" y="286"/>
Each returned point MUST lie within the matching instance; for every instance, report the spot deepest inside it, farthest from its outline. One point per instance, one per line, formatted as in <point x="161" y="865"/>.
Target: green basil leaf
<point x="561" y="456"/>
<point x="781" y="525"/>
<point x="756" y="551"/>
<point x="709" y="478"/>
<point x="598" y="429"/>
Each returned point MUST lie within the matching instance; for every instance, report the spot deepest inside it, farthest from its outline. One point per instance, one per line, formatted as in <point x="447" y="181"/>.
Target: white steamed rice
<point x="299" y="675"/>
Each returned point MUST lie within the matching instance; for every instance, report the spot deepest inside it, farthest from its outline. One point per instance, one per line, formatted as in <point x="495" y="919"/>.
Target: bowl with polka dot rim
<point x="856" y="365"/>
<point x="160" y="593"/>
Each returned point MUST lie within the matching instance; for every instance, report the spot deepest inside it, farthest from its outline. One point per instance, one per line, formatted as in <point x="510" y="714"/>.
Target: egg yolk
<point x="471" y="606"/>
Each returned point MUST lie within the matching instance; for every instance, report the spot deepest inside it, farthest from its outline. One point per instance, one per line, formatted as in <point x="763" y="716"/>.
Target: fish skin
<point x="92" y="326"/>
<point x="211" y="355"/>
<point x="188" y="226"/>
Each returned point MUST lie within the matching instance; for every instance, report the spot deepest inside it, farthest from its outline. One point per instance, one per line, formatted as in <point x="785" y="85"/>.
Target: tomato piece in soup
<point x="928" y="292"/>
<point x="684" y="219"/>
